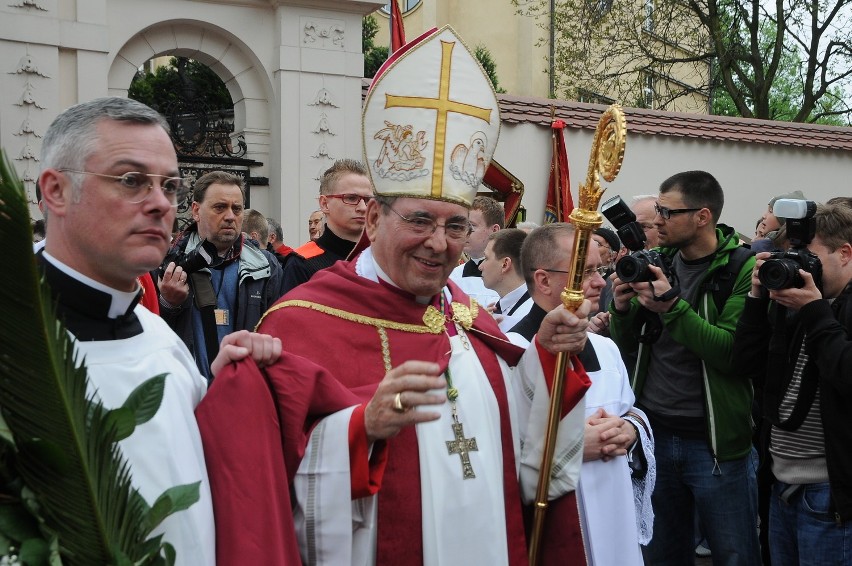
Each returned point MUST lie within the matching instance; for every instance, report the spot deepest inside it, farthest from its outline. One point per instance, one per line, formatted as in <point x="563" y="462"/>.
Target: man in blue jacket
<point x="228" y="284"/>
<point x="698" y="404"/>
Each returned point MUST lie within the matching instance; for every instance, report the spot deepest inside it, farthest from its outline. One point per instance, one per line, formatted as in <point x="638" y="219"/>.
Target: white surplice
<point x="165" y="451"/>
<point x="463" y="520"/>
<point x="605" y="494"/>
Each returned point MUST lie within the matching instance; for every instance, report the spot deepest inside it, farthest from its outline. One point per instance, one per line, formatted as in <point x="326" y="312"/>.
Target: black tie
<point x="497" y="309"/>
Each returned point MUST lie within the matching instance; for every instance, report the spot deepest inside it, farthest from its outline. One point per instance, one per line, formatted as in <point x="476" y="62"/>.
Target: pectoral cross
<point x="462" y="446"/>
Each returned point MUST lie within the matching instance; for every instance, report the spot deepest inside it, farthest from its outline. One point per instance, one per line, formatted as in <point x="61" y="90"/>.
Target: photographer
<point x="213" y="282"/>
<point x="795" y="340"/>
<point x="698" y="404"/>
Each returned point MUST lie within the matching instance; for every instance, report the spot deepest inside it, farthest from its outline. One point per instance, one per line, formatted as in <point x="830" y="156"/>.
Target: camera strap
<point x="780" y="369"/>
<point x="668" y="295"/>
<point x="205" y="300"/>
<point x="650" y="326"/>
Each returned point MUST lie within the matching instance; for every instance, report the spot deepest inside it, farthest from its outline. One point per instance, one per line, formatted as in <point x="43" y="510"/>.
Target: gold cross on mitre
<point x="431" y="121"/>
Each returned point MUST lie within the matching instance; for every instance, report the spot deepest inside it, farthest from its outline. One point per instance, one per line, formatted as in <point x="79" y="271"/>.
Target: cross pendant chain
<point x="462" y="337"/>
<point x="462" y="446"/>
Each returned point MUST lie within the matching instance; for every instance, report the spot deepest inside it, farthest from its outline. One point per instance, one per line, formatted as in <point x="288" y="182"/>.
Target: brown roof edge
<point x="531" y="110"/>
<point x="519" y="109"/>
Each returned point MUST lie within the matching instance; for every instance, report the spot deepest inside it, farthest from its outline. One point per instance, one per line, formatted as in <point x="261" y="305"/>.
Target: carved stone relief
<point x="325" y="34"/>
<point x="326" y="112"/>
<point x="28" y="4"/>
<point x="29" y="102"/>
<point x="28" y="65"/>
<point x="323" y="98"/>
<point x="323" y="127"/>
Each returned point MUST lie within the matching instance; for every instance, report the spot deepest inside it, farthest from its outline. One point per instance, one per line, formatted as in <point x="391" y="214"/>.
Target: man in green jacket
<point x="699" y="406"/>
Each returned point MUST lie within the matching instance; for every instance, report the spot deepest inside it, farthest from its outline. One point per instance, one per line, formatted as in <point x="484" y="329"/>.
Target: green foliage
<point x="182" y="79"/>
<point x="483" y="55"/>
<point x="770" y="60"/>
<point x="787" y="92"/>
<point x="374" y="55"/>
<point x="65" y="489"/>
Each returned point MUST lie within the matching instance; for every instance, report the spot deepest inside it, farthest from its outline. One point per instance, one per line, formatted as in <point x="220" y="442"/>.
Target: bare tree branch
<point x="790" y="59"/>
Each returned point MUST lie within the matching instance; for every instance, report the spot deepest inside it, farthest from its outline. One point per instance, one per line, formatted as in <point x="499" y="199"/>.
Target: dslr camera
<point x="781" y="270"/>
<point x="205" y="255"/>
<point x="633" y="268"/>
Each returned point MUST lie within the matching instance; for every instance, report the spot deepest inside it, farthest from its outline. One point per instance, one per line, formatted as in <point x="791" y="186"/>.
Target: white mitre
<point x="431" y="121"/>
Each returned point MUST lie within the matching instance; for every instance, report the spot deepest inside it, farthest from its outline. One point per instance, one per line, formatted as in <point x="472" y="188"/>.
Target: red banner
<point x="397" y="29"/>
<point x="560" y="204"/>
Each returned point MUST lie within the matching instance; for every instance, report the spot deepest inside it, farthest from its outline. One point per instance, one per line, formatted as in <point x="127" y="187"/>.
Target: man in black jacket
<point x="803" y="363"/>
<point x="345" y="190"/>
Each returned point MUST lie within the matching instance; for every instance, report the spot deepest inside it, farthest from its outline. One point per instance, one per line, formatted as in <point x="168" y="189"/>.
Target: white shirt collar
<point x="511" y="298"/>
<point x="121" y="300"/>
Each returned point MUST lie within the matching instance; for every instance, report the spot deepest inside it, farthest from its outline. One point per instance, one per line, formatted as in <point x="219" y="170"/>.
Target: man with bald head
<point x="643" y="207"/>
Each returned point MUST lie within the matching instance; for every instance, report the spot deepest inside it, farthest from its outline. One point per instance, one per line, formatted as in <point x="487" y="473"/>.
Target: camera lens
<point x="781" y="273"/>
<point x="631" y="269"/>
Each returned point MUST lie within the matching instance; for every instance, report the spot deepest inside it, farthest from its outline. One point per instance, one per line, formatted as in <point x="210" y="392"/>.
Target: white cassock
<point x="463" y="520"/>
<point x="606" y="495"/>
<point x="166" y="451"/>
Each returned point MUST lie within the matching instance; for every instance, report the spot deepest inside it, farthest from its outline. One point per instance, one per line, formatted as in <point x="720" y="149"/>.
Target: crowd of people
<point x="379" y="394"/>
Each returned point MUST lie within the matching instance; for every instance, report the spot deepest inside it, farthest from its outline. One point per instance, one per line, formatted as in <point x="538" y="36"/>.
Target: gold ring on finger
<point x="397" y="403"/>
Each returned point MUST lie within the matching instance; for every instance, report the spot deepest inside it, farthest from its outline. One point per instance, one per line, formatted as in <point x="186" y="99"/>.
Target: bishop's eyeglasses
<point x="426" y="226"/>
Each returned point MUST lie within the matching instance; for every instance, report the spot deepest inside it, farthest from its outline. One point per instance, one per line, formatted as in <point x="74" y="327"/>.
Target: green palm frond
<point x="65" y="441"/>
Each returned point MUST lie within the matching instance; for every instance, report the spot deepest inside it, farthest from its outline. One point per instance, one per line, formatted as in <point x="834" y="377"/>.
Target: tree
<point x="374" y="55"/>
<point x="483" y="55"/>
<point x="182" y="79"/>
<point x="741" y="53"/>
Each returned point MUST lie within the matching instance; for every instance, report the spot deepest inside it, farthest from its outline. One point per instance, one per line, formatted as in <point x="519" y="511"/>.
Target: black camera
<point x="781" y="270"/>
<point x="630" y="232"/>
<point x="205" y="255"/>
<point x="633" y="268"/>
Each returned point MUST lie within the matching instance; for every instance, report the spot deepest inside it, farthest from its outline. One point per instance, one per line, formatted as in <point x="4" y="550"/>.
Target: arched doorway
<point x="205" y="139"/>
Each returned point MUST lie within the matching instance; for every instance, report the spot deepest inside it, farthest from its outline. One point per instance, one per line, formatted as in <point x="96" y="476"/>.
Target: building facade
<point x="294" y="71"/>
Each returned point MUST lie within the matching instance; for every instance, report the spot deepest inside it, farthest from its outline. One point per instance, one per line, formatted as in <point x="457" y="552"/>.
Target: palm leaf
<point x="66" y="441"/>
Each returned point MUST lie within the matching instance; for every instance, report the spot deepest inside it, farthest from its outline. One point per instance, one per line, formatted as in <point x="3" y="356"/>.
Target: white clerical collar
<point x="121" y="300"/>
<point x="511" y="298"/>
<point x="367" y="267"/>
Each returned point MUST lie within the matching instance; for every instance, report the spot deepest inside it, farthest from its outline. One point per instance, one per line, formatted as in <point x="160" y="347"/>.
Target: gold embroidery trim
<point x="352" y="317"/>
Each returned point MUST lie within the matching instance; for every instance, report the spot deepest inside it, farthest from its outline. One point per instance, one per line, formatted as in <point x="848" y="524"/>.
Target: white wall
<point x="750" y="174"/>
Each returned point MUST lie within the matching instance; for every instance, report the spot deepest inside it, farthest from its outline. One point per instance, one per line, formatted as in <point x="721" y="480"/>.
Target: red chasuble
<point x="334" y="320"/>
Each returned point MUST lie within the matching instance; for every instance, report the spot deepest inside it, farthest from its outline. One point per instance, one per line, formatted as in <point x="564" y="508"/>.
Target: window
<point x="404" y="6"/>
<point x="599" y="9"/>
<point x="648" y="25"/>
<point x="649" y="89"/>
<point x="584" y="95"/>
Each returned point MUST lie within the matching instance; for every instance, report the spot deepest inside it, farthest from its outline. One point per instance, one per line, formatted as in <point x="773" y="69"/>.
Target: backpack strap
<point x="721" y="283"/>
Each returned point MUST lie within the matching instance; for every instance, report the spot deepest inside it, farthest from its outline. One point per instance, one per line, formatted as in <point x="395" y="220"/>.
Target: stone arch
<point x="234" y="62"/>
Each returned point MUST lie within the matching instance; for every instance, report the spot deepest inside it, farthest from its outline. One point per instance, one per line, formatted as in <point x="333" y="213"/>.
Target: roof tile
<point x="531" y="110"/>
